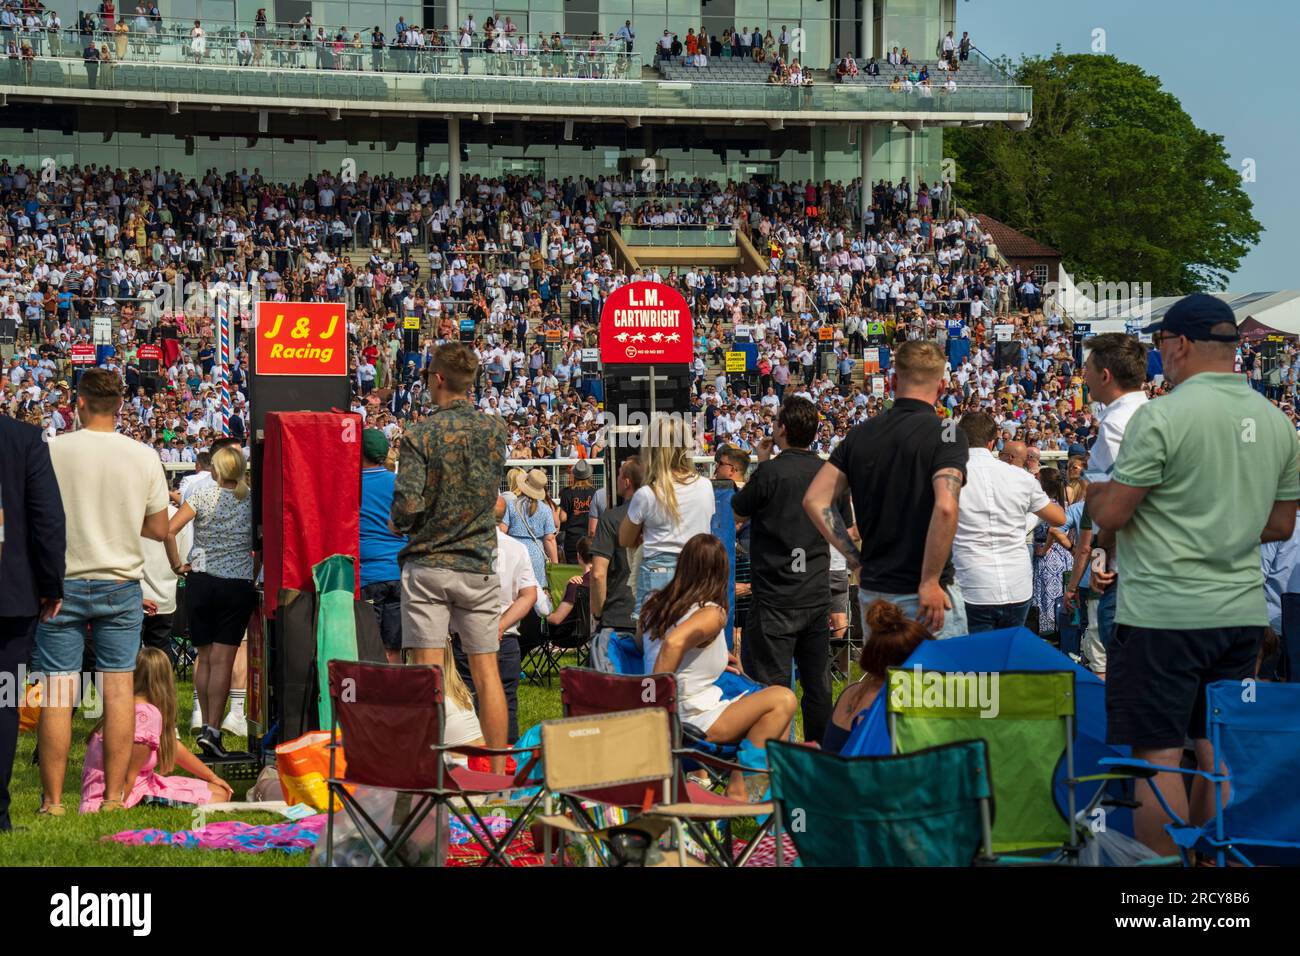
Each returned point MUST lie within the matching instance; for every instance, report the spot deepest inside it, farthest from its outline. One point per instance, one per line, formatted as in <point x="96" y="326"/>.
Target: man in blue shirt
<point x="381" y="578"/>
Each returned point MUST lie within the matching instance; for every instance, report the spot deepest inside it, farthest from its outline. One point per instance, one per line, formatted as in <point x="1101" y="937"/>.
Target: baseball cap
<point x="374" y="444"/>
<point x="1193" y="316"/>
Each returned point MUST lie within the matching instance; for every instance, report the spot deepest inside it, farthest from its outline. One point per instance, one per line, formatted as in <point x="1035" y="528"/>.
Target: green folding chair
<point x="1027" y="721"/>
<point x="933" y="807"/>
<point x="542" y="661"/>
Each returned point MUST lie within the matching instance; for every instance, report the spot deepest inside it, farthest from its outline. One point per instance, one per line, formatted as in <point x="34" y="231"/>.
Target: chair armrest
<point x="716" y="763"/>
<point x="1144" y="769"/>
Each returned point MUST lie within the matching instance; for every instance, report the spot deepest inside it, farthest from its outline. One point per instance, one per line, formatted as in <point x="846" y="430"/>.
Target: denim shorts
<point x="954" y="619"/>
<point x="655" y="573"/>
<point x="111" y="613"/>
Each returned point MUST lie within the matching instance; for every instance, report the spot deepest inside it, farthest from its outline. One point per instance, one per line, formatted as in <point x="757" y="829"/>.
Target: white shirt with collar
<point x="1112" y="421"/>
<point x="989" y="555"/>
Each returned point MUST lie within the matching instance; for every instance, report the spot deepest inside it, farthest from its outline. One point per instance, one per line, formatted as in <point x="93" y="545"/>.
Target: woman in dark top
<point x="891" y="639"/>
<point x="575" y="506"/>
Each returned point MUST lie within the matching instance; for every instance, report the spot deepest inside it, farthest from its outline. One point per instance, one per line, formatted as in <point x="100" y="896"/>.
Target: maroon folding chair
<point x="585" y="692"/>
<point x="392" y="720"/>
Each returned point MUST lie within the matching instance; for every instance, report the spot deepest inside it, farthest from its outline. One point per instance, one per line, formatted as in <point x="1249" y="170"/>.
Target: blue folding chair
<point x="1256" y="738"/>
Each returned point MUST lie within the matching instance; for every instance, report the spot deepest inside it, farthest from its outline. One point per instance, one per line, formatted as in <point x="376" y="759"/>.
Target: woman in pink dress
<point x="155" y="752"/>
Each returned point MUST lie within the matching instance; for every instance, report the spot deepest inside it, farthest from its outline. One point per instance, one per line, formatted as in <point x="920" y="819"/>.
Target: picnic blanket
<point x="233" y="835"/>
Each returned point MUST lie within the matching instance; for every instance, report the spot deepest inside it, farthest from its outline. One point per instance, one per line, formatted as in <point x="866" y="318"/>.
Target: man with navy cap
<point x="1203" y="475"/>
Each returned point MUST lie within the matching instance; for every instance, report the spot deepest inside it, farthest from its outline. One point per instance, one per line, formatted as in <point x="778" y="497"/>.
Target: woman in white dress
<point x="198" y="42"/>
<point x="681" y="631"/>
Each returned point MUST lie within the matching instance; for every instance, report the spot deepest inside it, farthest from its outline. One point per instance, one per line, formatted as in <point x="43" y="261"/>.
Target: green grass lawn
<point x="75" y="840"/>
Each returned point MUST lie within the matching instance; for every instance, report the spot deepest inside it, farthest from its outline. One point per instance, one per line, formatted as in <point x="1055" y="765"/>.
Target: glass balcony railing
<point x="721" y="236"/>
<point x="486" y="87"/>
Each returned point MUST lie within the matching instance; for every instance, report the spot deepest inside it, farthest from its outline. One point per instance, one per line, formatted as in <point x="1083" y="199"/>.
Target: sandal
<point x="52" y="810"/>
<point x="109" y="805"/>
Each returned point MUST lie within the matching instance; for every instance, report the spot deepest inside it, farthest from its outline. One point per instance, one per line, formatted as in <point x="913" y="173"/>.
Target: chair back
<point x="609" y="750"/>
<point x="929" y="808"/>
<point x="1256" y="736"/>
<point x="576" y="629"/>
<point x="390" y="716"/>
<point x="557" y="579"/>
<point x="1027" y="720"/>
<point x="584" y="691"/>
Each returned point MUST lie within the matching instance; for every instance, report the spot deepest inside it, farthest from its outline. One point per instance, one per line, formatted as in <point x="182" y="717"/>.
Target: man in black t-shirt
<point x="575" y="505"/>
<point x="905" y="469"/>
<point x="789" y="619"/>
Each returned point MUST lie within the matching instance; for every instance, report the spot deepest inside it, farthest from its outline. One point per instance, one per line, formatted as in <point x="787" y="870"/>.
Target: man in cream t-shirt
<point x="114" y="496"/>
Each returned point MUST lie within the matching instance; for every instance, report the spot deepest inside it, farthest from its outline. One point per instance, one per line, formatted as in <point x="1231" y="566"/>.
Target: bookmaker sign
<point x="646" y="322"/>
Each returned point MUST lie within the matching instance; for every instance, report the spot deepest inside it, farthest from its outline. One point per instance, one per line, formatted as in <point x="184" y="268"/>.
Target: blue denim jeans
<point x="996" y="617"/>
<point x="656" y="571"/>
<point x="954" y="619"/>
<point x="112" y="612"/>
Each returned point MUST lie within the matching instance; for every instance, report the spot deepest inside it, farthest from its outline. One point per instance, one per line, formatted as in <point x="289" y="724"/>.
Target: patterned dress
<point x="1049" y="584"/>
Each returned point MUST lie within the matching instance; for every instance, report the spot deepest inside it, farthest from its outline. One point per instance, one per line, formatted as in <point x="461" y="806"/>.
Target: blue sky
<point x="1228" y="63"/>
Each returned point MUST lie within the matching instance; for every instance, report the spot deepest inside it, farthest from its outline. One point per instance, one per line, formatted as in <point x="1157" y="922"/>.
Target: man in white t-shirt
<point x="989" y="556"/>
<point x="114" y="496"/>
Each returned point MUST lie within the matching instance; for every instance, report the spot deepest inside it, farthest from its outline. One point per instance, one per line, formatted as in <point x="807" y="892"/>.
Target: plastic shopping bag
<point x="304" y="767"/>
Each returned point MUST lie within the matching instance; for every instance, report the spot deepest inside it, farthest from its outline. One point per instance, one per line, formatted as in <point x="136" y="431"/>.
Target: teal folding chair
<point x="933" y="807"/>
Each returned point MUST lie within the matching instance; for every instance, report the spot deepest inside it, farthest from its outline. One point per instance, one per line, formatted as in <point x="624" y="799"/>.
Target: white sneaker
<point x="235" y="725"/>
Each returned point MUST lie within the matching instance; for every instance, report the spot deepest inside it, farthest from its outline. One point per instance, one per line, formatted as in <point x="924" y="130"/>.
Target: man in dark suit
<point x="31" y="568"/>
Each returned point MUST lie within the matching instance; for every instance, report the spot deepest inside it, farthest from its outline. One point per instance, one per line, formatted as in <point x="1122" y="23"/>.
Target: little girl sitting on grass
<point x="155" y="752"/>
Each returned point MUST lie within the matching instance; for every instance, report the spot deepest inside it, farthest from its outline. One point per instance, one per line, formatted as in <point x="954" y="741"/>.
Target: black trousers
<point x="157" y="632"/>
<point x="508" y="664"/>
<point x="775" y="639"/>
<point x="16" y="637"/>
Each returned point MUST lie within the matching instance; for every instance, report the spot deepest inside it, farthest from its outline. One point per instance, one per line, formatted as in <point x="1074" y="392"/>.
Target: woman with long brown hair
<point x="681" y="633"/>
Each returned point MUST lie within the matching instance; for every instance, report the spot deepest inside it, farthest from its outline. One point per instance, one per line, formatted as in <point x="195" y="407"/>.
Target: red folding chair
<point x="391" y="718"/>
<point x="585" y="692"/>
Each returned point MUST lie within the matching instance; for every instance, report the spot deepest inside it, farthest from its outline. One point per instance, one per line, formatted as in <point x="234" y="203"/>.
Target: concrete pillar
<point x="453" y="21"/>
<point x="911" y="161"/>
<point x="864" y="157"/>
<point x="453" y="159"/>
<point x="864" y="31"/>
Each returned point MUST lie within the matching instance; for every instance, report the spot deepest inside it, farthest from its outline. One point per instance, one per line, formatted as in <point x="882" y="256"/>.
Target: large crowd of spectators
<point x="152" y="253"/>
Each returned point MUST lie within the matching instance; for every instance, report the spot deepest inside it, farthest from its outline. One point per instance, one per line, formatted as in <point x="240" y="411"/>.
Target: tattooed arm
<point x="938" y="546"/>
<point x="820" y="504"/>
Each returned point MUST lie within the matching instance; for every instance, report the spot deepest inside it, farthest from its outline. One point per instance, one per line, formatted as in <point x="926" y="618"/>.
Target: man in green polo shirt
<point x="1203" y="476"/>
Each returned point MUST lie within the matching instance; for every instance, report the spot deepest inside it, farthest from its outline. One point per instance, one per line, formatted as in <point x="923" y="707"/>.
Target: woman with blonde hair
<point x="514" y="477"/>
<point x="154" y="753"/>
<point x="672" y="506"/>
<point x="219" y="594"/>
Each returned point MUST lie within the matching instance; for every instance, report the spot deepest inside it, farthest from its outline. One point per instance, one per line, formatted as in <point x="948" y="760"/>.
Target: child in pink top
<point x="155" y="752"/>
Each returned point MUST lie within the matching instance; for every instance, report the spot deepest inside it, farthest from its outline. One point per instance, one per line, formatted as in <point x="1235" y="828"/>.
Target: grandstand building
<point x="312" y="89"/>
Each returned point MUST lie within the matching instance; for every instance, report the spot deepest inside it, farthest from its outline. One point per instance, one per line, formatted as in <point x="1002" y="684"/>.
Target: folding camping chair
<point x="1028" y="732"/>
<point x="933" y="807"/>
<point x="1256" y="741"/>
<point x="392" y="721"/>
<point x="544" y="648"/>
<point x="585" y="692"/>
<point x="621" y="759"/>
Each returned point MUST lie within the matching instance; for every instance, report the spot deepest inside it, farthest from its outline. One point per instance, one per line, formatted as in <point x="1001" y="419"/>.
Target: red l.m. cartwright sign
<point x="301" y="338"/>
<point x="646" y="322"/>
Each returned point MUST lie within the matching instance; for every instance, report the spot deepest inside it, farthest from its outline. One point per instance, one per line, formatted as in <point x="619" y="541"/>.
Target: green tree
<point x="1114" y="174"/>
